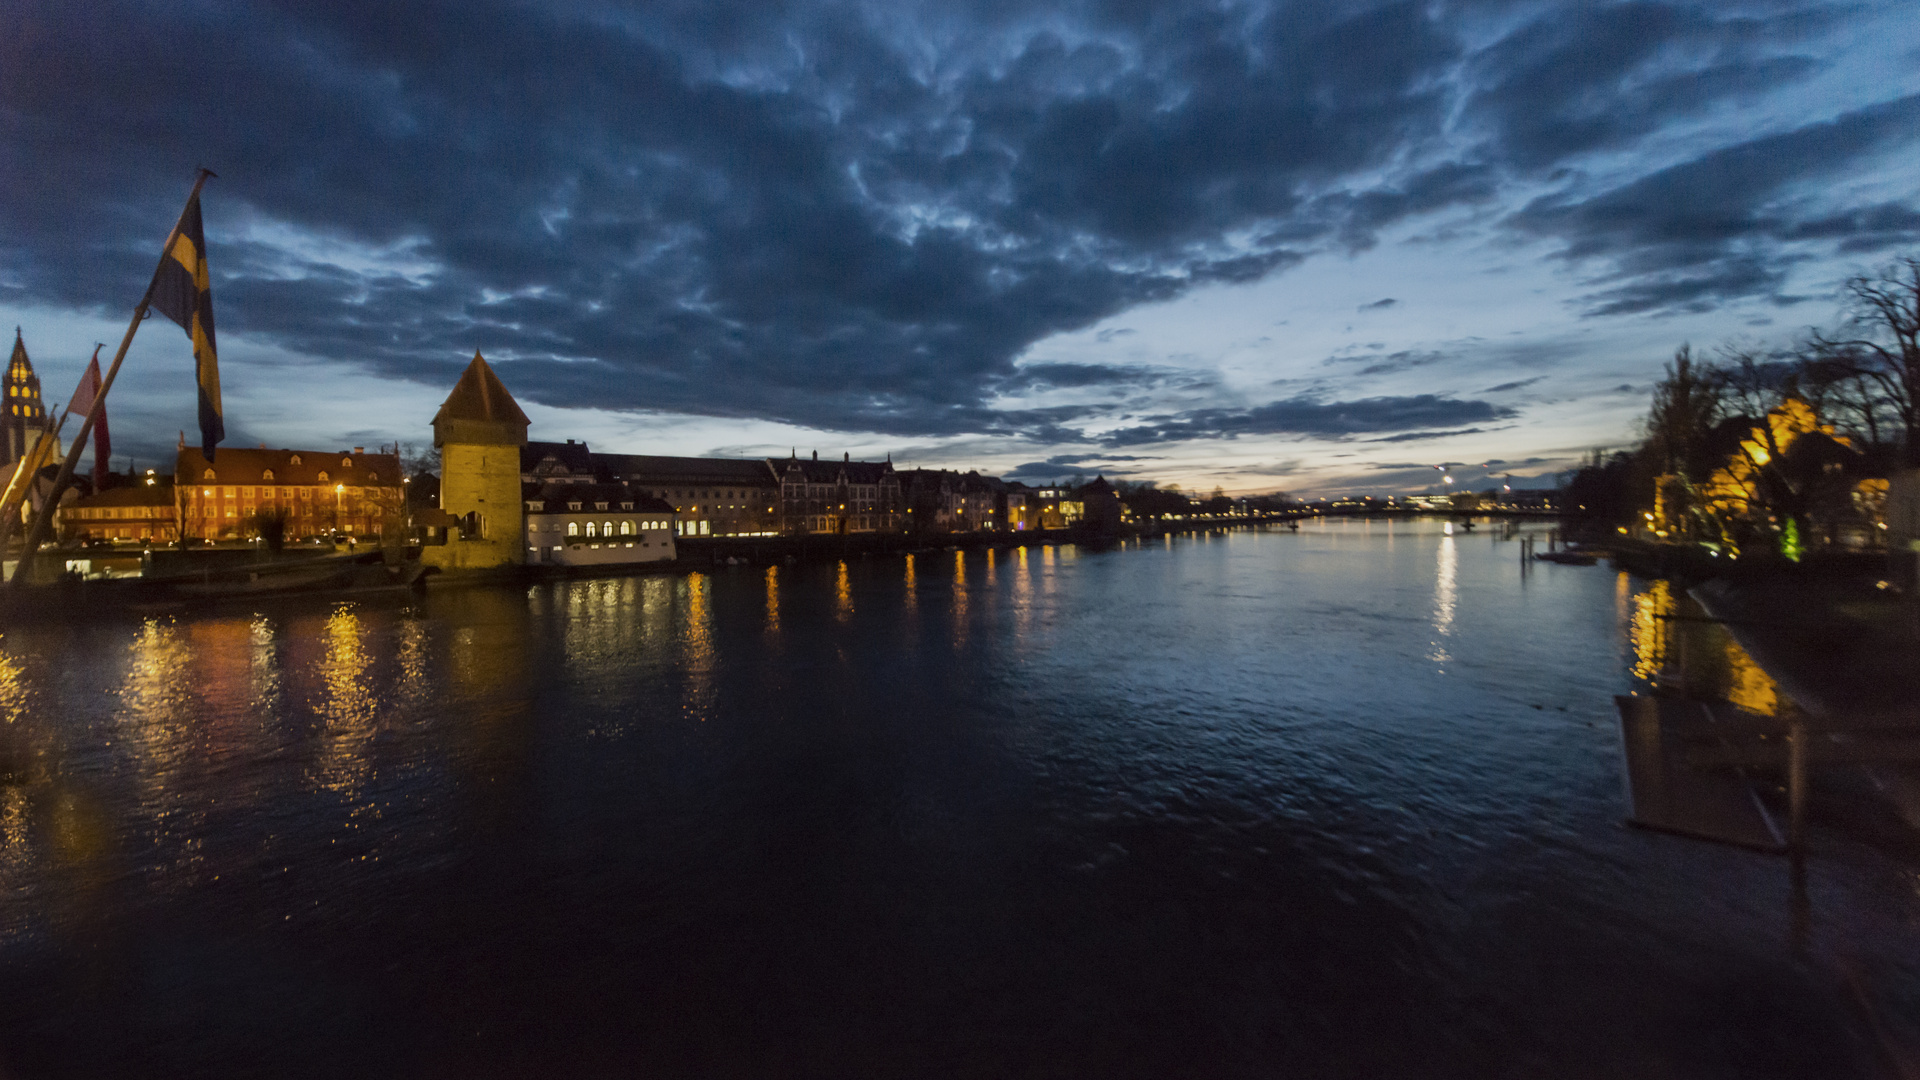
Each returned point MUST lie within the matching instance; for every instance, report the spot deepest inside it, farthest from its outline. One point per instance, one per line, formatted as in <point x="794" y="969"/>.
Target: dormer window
<point x="294" y="460"/>
<point x="373" y="476"/>
<point x="267" y="474"/>
<point x="208" y="475"/>
<point x="533" y="504"/>
<point x="323" y="476"/>
<point x="346" y="463"/>
<point x="573" y="506"/>
<point x="626" y="506"/>
<point x="599" y="506"/>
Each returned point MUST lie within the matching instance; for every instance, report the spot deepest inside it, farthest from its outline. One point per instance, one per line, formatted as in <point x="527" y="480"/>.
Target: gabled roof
<point x="297" y="467"/>
<point x="480" y="395"/>
<point x="830" y="472"/>
<point x="659" y="470"/>
<point x="558" y="499"/>
<point x="573" y="458"/>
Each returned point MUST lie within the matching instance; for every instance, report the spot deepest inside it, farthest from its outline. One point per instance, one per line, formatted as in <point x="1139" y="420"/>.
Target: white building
<point x="596" y="525"/>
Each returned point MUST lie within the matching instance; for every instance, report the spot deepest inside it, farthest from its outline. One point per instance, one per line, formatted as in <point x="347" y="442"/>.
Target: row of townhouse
<point x="748" y="497"/>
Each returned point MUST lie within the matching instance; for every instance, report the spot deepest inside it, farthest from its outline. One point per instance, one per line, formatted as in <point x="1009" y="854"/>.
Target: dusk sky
<point x="1313" y="247"/>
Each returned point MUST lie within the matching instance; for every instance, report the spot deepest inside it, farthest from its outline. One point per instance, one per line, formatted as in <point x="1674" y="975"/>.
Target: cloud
<point x="858" y="217"/>
<point x="1507" y="387"/>
<point x="1694" y="235"/>
<point x="1309" y="417"/>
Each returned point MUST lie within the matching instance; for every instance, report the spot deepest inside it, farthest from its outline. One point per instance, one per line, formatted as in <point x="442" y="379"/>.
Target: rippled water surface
<point x="1340" y="803"/>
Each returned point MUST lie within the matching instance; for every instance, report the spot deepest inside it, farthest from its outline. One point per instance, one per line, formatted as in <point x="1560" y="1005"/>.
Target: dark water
<point x="1342" y="803"/>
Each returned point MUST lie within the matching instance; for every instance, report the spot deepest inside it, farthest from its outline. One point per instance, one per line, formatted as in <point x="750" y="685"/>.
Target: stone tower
<point x="480" y="430"/>
<point x="22" y="415"/>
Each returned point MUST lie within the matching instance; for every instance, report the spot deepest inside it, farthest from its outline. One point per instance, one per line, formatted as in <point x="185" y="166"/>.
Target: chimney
<point x="357" y="449"/>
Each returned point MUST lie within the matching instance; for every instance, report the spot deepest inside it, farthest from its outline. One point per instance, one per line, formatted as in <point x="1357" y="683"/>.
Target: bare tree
<point x="1879" y="344"/>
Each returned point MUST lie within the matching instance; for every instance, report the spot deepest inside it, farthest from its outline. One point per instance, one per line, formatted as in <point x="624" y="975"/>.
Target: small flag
<point x="182" y="292"/>
<point x="82" y="401"/>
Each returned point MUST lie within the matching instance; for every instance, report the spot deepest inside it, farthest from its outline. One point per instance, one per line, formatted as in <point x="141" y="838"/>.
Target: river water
<point x="1345" y="802"/>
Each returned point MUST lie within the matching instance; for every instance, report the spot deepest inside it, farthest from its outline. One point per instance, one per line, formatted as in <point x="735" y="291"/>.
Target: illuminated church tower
<point x="23" y="415"/>
<point x="480" y="430"/>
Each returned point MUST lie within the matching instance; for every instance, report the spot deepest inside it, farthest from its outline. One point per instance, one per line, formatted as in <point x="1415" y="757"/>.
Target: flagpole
<point x="37" y="535"/>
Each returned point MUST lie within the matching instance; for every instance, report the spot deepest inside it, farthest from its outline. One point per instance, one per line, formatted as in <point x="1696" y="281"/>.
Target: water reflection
<point x="1675" y="645"/>
<point x="348" y="707"/>
<point x="842" y="594"/>
<point x="1445" y="596"/>
<point x="697" y="650"/>
<point x="959" y="599"/>
<point x="773" y="600"/>
<point x="910" y="595"/>
<point x="1022" y="597"/>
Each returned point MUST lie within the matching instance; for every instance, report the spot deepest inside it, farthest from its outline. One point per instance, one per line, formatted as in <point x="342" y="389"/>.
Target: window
<point x="573" y="528"/>
<point x="323" y="477"/>
<point x="626" y="528"/>
<point x="626" y="506"/>
<point x="346" y="463"/>
<point x="267" y="475"/>
<point x="573" y="506"/>
<point x="590" y="531"/>
<point x="294" y="460"/>
<point x="599" y="506"/>
<point x="606" y="529"/>
<point x="208" y="475"/>
<point x="373" y="476"/>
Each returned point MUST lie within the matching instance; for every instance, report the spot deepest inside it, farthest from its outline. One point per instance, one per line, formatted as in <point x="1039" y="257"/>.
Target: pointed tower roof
<point x="480" y="410"/>
<point x="22" y="385"/>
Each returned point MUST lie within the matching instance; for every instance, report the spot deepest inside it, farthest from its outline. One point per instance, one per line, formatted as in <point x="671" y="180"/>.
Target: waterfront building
<point x="709" y="496"/>
<point x="312" y="493"/>
<point x="142" y="510"/>
<point x="23" y="414"/>
<point x="479" y="431"/>
<point x="574" y="524"/>
<point x="835" y="498"/>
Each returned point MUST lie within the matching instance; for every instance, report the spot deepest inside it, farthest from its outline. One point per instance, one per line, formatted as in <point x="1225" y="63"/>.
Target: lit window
<point x="323" y="476"/>
<point x="573" y="528"/>
<point x="590" y="530"/>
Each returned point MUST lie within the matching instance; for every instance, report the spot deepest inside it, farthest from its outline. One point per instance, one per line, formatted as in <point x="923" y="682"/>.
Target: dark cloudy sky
<point x="1316" y="246"/>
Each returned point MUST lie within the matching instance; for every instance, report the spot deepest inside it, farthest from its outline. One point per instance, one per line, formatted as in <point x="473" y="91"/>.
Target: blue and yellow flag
<point x="182" y="293"/>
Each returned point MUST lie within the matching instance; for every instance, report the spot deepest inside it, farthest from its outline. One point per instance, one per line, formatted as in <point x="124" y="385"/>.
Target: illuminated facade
<point x="572" y="524"/>
<point x="141" y="513"/>
<point x="314" y="492"/>
<point x="838" y="497"/>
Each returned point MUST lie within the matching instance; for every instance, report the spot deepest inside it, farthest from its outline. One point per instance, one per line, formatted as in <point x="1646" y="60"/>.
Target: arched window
<point x="607" y="529"/>
<point x="267" y="474"/>
<point x="626" y="528"/>
<point x="590" y="531"/>
<point x="208" y="475"/>
<point x="323" y="476"/>
<point x="573" y="528"/>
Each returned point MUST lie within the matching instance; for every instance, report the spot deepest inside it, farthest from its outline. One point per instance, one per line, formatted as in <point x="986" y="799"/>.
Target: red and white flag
<point x="83" y="401"/>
